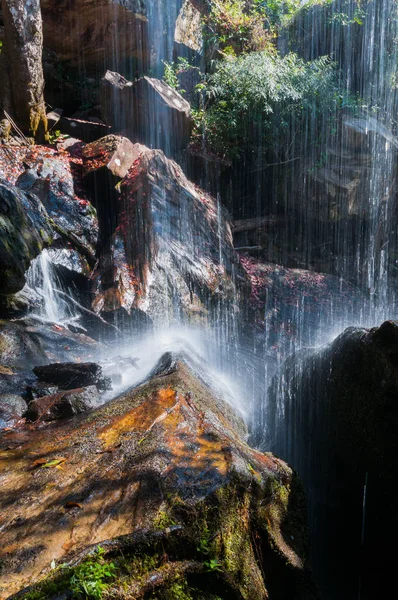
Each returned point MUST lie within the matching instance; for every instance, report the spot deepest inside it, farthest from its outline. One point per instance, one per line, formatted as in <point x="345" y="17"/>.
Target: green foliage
<point x="204" y="542"/>
<point x="173" y="69"/>
<point x="53" y="137"/>
<point x="92" y="577"/>
<point x="252" y="100"/>
<point x="236" y="26"/>
<point x="213" y="565"/>
<point x="163" y="520"/>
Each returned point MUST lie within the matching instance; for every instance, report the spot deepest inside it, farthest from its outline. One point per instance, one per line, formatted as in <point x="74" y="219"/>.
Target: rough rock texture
<point x="21" y="66"/>
<point x="286" y="303"/>
<point x="189" y="28"/>
<point x="62" y="405"/>
<point x="51" y="179"/>
<point x="12" y="407"/>
<point x="24" y="231"/>
<point x="18" y="348"/>
<point x="343" y="180"/>
<point x="69" y="376"/>
<point x="86" y="33"/>
<point x="149" y="111"/>
<point x="115" y="153"/>
<point x="161" y="479"/>
<point x="87" y="130"/>
<point x="105" y="163"/>
<point x="172" y="252"/>
<point x="337" y="425"/>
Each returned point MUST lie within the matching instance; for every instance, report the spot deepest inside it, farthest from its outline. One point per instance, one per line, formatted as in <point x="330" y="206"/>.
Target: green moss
<point x="163" y="520"/>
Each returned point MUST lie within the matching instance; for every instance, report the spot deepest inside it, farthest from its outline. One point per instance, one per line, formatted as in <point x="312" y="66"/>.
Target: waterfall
<point x="42" y="278"/>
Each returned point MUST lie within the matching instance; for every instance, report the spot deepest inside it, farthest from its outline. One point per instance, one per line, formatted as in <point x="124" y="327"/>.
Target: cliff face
<point x="332" y="414"/>
<point x="162" y="479"/>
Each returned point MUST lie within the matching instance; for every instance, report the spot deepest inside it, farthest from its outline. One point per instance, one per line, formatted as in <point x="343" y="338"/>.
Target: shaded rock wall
<point x="25" y="230"/>
<point x="333" y="414"/>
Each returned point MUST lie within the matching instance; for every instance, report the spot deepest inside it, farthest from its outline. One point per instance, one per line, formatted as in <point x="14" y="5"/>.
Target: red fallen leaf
<point x="57" y="327"/>
<point x="72" y="505"/>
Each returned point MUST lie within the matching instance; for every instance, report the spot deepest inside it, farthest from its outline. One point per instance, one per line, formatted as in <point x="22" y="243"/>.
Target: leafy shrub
<point x="254" y="100"/>
<point x="237" y="26"/>
<point x="92" y="577"/>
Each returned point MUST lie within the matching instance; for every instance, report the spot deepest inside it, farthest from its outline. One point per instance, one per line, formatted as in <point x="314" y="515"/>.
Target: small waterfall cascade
<point x="42" y="278"/>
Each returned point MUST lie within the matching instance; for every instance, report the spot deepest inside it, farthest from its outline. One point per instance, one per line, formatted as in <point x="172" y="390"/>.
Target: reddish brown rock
<point x="172" y="252"/>
<point x="63" y="404"/>
<point x="162" y="479"/>
<point x="115" y="153"/>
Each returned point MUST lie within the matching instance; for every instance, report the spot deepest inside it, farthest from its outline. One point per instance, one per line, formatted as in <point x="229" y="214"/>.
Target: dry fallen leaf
<point x="39" y="462"/>
<point x="73" y="505"/>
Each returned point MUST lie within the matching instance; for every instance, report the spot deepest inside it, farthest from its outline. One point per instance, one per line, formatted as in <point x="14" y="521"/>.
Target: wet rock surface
<point x="337" y="426"/>
<point x="51" y="179"/>
<point x="62" y="405"/>
<point x="19" y="350"/>
<point x="172" y="252"/>
<point x="287" y="303"/>
<point x="69" y="376"/>
<point x="12" y="408"/>
<point x="160" y="474"/>
<point x="24" y="231"/>
<point x="148" y="111"/>
<point x="102" y="25"/>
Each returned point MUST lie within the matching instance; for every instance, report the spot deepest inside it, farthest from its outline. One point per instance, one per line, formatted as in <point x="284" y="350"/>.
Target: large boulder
<point x="161" y="483"/>
<point x="24" y="231"/>
<point x="148" y="111"/>
<point x="172" y="254"/>
<point x="69" y="376"/>
<point x="62" y="404"/>
<point x="345" y="185"/>
<point x="189" y="28"/>
<point x="333" y="414"/>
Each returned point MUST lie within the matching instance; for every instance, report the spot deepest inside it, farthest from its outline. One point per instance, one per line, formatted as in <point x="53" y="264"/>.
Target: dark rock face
<point x="105" y="163"/>
<point x="24" y="231"/>
<point x="337" y="425"/>
<point x="19" y="349"/>
<point x="86" y="130"/>
<point x="62" y="405"/>
<point x="51" y="179"/>
<point x="172" y="252"/>
<point x="103" y="26"/>
<point x="161" y="474"/>
<point x="149" y="111"/>
<point x="68" y="376"/>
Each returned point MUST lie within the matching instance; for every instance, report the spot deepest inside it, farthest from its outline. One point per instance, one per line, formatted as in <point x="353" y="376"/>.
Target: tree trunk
<point x="22" y="71"/>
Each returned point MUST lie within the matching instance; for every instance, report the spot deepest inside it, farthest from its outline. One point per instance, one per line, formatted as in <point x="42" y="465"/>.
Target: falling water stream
<point x="356" y="241"/>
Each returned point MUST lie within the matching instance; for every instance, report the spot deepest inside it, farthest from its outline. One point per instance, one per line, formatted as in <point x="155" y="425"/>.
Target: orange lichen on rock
<point x="139" y="419"/>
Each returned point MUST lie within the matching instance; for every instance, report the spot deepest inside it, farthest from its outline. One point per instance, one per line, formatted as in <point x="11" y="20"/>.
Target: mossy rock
<point x="24" y="232"/>
<point x="161" y="479"/>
